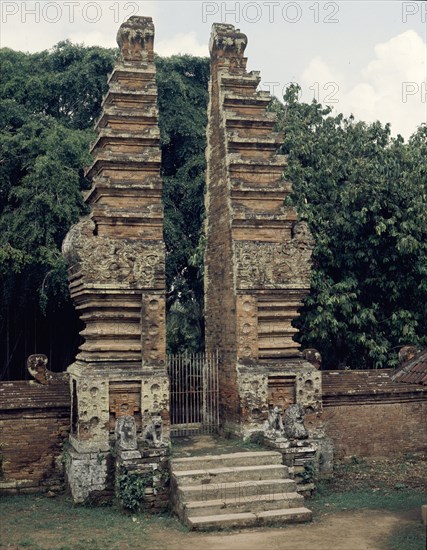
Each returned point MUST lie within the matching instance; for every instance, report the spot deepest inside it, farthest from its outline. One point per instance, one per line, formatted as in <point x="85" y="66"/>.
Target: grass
<point x="37" y="522"/>
<point x="372" y="499"/>
<point x="412" y="537"/>
<point x="394" y="496"/>
<point x="409" y="471"/>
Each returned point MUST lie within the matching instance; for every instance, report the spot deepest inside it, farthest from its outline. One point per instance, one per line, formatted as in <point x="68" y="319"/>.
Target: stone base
<point x="307" y="459"/>
<point x="87" y="474"/>
<point x="152" y="464"/>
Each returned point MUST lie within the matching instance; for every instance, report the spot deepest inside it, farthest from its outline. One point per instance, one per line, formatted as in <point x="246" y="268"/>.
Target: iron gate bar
<point x="194" y="393"/>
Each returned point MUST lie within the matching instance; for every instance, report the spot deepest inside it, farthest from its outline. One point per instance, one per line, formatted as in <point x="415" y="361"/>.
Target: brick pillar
<point x="257" y="262"/>
<point x="116" y="268"/>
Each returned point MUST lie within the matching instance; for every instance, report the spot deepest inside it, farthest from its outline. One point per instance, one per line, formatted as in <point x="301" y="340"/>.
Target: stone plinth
<point x="116" y="268"/>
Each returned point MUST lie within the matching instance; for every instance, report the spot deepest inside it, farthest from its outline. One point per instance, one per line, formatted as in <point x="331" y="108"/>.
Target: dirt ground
<point x="364" y="530"/>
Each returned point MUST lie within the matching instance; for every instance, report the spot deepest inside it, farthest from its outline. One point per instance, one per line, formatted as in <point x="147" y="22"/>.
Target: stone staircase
<point x="240" y="489"/>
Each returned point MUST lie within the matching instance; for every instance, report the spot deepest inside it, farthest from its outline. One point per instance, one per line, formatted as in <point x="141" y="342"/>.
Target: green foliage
<point x="49" y="103"/>
<point x="362" y="192"/>
<point x="66" y="83"/>
<point x="364" y="195"/>
<point x="130" y="487"/>
<point x="308" y="475"/>
<point x="42" y="194"/>
<point x="256" y="440"/>
<point x="183" y="97"/>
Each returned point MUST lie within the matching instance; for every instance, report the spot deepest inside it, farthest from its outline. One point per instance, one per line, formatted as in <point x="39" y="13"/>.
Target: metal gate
<point x="193" y="393"/>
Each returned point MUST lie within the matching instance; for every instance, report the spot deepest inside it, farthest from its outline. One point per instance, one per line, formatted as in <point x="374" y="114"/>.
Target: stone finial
<point x="406" y="354"/>
<point x="313" y="356"/>
<point x="135" y="38"/>
<point x="227" y="42"/>
<point x="37" y="367"/>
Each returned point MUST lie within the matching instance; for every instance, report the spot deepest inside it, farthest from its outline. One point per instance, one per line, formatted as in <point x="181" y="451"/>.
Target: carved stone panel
<point x="281" y="391"/>
<point x="93" y="413"/>
<point x="106" y="260"/>
<point x="274" y="265"/>
<point x="247" y="333"/>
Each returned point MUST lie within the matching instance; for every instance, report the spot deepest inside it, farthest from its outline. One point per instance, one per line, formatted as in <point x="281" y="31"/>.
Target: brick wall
<point x="34" y="422"/>
<point x="366" y="414"/>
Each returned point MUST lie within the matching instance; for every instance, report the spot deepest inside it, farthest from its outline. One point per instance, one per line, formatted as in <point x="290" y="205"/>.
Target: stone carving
<point x="226" y="41"/>
<point x="273" y="426"/>
<point x="117" y="272"/>
<point x="267" y="265"/>
<point x="293" y="423"/>
<point x="125" y="432"/>
<point x="37" y="367"/>
<point x="312" y="356"/>
<point x="406" y="354"/>
<point x="105" y="260"/>
<point x="136" y="38"/>
<point x="152" y="433"/>
<point x="258" y="256"/>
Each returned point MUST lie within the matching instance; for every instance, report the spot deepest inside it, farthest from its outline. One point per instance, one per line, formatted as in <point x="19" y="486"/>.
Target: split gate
<point x="194" y="393"/>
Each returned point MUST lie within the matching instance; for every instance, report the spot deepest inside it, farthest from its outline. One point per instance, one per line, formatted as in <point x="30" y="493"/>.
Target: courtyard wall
<point x="366" y="414"/>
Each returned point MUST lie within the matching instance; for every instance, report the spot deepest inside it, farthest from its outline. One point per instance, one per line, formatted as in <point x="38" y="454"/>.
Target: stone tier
<point x="116" y="255"/>
<point x="241" y="489"/>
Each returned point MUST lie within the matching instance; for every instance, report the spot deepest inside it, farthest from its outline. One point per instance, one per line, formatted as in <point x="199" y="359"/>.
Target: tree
<point x="49" y="102"/>
<point x="362" y="192"/>
<point x="67" y="82"/>
<point x="364" y="196"/>
<point x="183" y="98"/>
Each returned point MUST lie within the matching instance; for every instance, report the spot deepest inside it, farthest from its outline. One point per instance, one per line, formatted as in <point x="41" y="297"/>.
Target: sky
<point x="368" y="58"/>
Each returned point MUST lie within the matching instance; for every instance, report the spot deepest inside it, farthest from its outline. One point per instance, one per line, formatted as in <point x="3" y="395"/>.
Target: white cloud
<point x="181" y="43"/>
<point x="94" y="38"/>
<point x="35" y="26"/>
<point x="398" y="65"/>
<point x="319" y="71"/>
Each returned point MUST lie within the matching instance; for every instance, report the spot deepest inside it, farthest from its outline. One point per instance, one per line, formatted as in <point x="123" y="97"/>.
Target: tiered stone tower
<point x="116" y="259"/>
<point x="257" y="262"/>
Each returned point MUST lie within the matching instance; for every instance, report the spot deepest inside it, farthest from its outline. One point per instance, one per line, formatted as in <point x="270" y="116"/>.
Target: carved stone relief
<point x="267" y="264"/>
<point x="125" y="433"/>
<point x="93" y="409"/>
<point x="104" y="260"/>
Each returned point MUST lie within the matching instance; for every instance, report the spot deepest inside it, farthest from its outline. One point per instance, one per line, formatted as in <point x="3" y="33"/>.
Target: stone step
<point x="248" y="519"/>
<point x="243" y="503"/>
<point x="231" y="490"/>
<point x="236" y="474"/>
<point x="249" y="458"/>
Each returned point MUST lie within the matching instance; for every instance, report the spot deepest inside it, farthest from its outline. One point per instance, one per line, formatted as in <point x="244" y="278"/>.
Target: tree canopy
<point x="48" y="105"/>
<point x="364" y="195"/>
<point x="362" y="192"/>
<point x="183" y="102"/>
